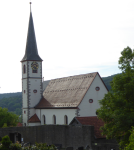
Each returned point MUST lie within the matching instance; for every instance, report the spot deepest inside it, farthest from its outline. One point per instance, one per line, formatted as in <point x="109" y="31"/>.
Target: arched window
<point x="44" y="119"/>
<point x="65" y="119"/>
<point x="24" y="69"/>
<point x="54" y="119"/>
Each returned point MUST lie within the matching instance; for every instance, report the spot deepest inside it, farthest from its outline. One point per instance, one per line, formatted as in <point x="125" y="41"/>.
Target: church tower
<point x="31" y="74"/>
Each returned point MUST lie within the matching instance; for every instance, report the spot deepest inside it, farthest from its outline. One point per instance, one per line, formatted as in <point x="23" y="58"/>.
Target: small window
<point x="97" y="88"/>
<point x="35" y="91"/>
<point x="24" y="69"/>
<point x="65" y="119"/>
<point x="24" y="91"/>
<point x="54" y="119"/>
<point x="90" y="100"/>
<point x="24" y="112"/>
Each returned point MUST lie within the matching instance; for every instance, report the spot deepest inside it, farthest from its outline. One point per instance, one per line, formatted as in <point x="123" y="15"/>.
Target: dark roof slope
<point x="94" y="121"/>
<point x="34" y="119"/>
<point x="66" y="92"/>
<point x="31" y="52"/>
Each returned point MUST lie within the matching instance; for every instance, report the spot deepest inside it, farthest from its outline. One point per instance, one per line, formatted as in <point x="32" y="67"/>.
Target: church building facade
<point x="55" y="101"/>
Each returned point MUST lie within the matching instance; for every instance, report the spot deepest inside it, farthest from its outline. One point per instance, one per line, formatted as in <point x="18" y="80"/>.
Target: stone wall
<point x="67" y="136"/>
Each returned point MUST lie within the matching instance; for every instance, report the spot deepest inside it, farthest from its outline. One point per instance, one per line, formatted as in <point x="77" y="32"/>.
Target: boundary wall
<point x="64" y="135"/>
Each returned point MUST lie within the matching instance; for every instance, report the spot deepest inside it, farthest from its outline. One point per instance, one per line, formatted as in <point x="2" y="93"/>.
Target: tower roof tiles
<point x="31" y="52"/>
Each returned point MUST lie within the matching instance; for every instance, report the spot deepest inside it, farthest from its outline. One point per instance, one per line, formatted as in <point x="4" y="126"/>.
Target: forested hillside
<point x="107" y="81"/>
<point x="13" y="101"/>
<point x="13" y="104"/>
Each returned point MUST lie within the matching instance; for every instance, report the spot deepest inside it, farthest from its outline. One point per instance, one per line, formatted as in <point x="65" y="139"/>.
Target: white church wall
<point x="24" y="92"/>
<point x="34" y="84"/>
<point x="59" y="113"/>
<point x="38" y="113"/>
<point x="31" y="112"/>
<point x="25" y="114"/>
<point x="89" y="109"/>
<point x="34" y="124"/>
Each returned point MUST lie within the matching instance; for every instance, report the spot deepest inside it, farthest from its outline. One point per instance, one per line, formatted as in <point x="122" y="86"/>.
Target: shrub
<point x="5" y="143"/>
<point x="16" y="146"/>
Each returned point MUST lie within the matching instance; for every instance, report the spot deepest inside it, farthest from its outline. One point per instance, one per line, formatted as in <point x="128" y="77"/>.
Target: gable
<point x="90" y="102"/>
<point x="92" y="121"/>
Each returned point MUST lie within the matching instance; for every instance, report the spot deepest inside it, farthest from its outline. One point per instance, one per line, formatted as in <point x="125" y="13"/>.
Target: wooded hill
<point x="13" y="101"/>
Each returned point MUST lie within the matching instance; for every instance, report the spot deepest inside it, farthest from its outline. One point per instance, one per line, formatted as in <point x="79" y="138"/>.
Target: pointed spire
<point x="31" y="52"/>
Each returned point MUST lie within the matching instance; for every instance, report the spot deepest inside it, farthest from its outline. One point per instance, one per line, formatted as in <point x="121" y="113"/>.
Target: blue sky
<point x="73" y="37"/>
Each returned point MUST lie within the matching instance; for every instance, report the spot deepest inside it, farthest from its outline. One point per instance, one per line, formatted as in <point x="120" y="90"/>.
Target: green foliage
<point x="13" y="104"/>
<point x="5" y="125"/>
<point x="117" y="107"/>
<point x="107" y="80"/>
<point x="15" y="146"/>
<point x="5" y="143"/>
<point x="7" y="118"/>
<point x="130" y="146"/>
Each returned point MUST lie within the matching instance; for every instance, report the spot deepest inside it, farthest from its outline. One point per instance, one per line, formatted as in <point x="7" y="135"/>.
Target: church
<point x="55" y="101"/>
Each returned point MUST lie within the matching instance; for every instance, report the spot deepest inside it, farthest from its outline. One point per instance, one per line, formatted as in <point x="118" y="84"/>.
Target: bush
<point x="5" y="143"/>
<point x="16" y="146"/>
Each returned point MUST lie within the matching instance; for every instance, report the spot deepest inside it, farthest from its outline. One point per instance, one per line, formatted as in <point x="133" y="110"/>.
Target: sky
<point x="73" y="37"/>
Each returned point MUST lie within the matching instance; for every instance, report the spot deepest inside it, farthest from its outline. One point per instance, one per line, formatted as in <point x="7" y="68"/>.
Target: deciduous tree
<point x="8" y="118"/>
<point x="117" y="107"/>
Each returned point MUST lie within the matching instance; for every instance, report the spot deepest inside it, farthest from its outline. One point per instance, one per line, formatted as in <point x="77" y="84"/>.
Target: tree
<point x="130" y="146"/>
<point x="117" y="106"/>
<point x="8" y="118"/>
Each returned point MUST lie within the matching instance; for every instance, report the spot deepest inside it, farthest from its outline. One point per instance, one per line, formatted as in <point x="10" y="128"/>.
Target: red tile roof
<point x="33" y="119"/>
<point x="19" y="124"/>
<point x="66" y="92"/>
<point x="94" y="121"/>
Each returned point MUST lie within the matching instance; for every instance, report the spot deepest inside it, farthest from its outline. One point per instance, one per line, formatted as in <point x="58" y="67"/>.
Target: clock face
<point x="34" y="65"/>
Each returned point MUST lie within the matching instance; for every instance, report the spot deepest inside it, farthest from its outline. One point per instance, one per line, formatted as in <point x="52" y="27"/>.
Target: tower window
<point x="35" y="91"/>
<point x="24" y="69"/>
<point x="35" y="71"/>
<point x="34" y="67"/>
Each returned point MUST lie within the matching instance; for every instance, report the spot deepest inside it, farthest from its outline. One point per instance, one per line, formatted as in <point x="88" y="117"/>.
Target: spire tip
<point x="30" y="5"/>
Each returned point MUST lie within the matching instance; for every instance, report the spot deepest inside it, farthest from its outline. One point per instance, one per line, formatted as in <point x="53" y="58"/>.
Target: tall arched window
<point x="44" y="119"/>
<point x="54" y="119"/>
<point x="24" y="69"/>
<point x="65" y="119"/>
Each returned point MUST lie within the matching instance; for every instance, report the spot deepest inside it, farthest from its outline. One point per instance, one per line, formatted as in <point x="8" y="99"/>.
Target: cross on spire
<point x="30" y="5"/>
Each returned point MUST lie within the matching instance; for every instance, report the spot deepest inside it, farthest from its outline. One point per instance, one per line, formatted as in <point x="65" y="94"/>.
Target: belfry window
<point x="24" y="69"/>
<point x="35" y="71"/>
<point x="34" y="67"/>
